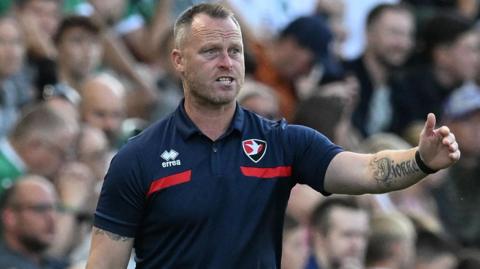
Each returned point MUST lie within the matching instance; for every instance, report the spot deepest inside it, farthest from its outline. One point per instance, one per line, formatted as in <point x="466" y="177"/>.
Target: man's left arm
<point x="389" y="170"/>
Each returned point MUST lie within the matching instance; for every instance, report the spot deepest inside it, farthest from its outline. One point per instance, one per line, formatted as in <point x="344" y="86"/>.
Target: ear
<point x="8" y="218"/>
<point x="178" y="60"/>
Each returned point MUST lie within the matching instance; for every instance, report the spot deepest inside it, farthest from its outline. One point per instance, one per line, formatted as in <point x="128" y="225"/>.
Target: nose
<point x="225" y="61"/>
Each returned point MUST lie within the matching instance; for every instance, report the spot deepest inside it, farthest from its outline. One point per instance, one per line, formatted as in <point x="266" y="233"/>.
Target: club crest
<point x="254" y="149"/>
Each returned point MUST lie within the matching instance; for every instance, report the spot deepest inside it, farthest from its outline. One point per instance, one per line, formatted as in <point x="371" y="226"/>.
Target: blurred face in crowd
<point x="12" y="48"/>
<point x="30" y="220"/>
<point x="346" y="239"/>
<point x="79" y="52"/>
<point x="103" y="106"/>
<point x="295" y="248"/>
<point x="390" y="37"/>
<point x="46" y="13"/>
<point x="210" y="59"/>
<point x="50" y="153"/>
<point x="462" y="57"/>
<point x="293" y="60"/>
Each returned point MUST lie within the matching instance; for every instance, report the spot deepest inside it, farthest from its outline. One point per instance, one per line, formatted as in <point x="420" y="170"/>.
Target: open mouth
<point x="225" y="80"/>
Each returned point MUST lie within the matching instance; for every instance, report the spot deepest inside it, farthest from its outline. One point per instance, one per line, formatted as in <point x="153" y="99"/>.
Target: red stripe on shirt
<point x="172" y="180"/>
<point x="279" y="171"/>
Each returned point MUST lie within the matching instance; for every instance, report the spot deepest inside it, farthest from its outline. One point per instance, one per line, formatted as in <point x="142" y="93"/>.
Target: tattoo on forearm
<point x="385" y="170"/>
<point x="114" y="237"/>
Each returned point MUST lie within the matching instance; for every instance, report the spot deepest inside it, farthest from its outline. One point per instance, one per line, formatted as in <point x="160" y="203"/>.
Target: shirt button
<point x="214" y="149"/>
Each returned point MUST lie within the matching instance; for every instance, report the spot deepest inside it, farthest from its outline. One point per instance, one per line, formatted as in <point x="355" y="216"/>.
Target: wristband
<point x="423" y="167"/>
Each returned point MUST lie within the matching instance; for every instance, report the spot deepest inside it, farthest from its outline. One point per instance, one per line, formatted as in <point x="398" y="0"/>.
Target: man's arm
<point x="385" y="171"/>
<point x="109" y="250"/>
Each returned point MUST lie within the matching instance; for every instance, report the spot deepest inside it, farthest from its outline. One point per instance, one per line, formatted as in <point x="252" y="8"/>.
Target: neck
<point x="377" y="71"/>
<point x="212" y="120"/>
<point x="69" y="79"/>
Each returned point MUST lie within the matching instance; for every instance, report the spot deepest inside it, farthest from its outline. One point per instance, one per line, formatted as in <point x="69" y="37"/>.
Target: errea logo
<point x="169" y="157"/>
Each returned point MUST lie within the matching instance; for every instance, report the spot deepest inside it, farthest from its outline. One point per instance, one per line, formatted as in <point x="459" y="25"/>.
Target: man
<point x="391" y="243"/>
<point x="79" y="47"/>
<point x="451" y="50"/>
<point x="389" y="41"/>
<point x="293" y="55"/>
<point x="457" y="197"/>
<point x="40" y="143"/>
<point x="340" y="230"/>
<point x="28" y="223"/>
<point x="207" y="186"/>
<point x="14" y="88"/>
<point x="103" y="105"/>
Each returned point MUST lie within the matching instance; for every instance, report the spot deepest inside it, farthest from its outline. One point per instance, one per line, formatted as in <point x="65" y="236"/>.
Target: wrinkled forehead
<point x="204" y="26"/>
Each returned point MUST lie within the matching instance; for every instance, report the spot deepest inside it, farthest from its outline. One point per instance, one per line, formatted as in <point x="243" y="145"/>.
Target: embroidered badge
<point x="254" y="149"/>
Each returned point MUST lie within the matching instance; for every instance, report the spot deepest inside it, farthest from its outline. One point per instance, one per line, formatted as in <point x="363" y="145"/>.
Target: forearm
<point x="389" y="170"/>
<point x="392" y="170"/>
<point x="108" y="250"/>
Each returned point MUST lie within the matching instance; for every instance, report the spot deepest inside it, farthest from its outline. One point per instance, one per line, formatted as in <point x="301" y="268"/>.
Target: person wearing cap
<point x="299" y="46"/>
<point x="457" y="197"/>
<point x="208" y="186"/>
<point x="448" y="58"/>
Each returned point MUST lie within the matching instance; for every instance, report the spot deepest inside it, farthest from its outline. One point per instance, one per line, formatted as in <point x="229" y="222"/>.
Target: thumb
<point x="430" y="123"/>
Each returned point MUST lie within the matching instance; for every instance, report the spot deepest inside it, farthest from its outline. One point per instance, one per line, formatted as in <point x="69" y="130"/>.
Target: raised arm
<point x="385" y="171"/>
<point x="109" y="250"/>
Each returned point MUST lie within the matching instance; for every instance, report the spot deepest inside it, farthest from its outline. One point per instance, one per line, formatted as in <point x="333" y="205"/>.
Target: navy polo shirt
<point x="190" y="202"/>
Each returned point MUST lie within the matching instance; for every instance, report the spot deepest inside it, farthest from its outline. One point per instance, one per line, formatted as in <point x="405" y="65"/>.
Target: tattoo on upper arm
<point x="385" y="170"/>
<point x="114" y="237"/>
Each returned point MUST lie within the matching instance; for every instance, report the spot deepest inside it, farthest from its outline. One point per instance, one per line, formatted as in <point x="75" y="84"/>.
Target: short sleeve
<point x="312" y="153"/>
<point x="122" y="199"/>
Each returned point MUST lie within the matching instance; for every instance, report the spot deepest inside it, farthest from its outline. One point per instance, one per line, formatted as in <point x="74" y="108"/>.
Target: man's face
<point x="211" y="61"/>
<point x="463" y="57"/>
<point x="44" y="12"/>
<point x="11" y="48"/>
<point x="104" y="109"/>
<point x="294" y="61"/>
<point x="79" y="52"/>
<point x="53" y="152"/>
<point x="34" y="217"/>
<point x="346" y="239"/>
<point x="390" y="37"/>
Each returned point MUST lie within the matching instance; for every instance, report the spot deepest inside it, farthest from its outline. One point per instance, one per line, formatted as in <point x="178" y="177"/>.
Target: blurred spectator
<point x="39" y="21"/>
<point x="292" y="55"/>
<point x="340" y="228"/>
<point x="79" y="47"/>
<point x="391" y="243"/>
<point x="103" y="105"/>
<point x="168" y="80"/>
<point x="40" y="143"/>
<point x="260" y="99"/>
<point x="334" y="12"/>
<point x="14" y="91"/>
<point x="295" y="247"/>
<point x="434" y="251"/>
<point x="457" y="197"/>
<point x="450" y="46"/>
<point x="389" y="41"/>
<point x="329" y="115"/>
<point x="28" y="223"/>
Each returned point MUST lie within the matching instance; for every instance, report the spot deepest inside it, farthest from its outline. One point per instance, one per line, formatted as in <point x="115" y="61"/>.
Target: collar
<point x="187" y="128"/>
<point x="10" y="153"/>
